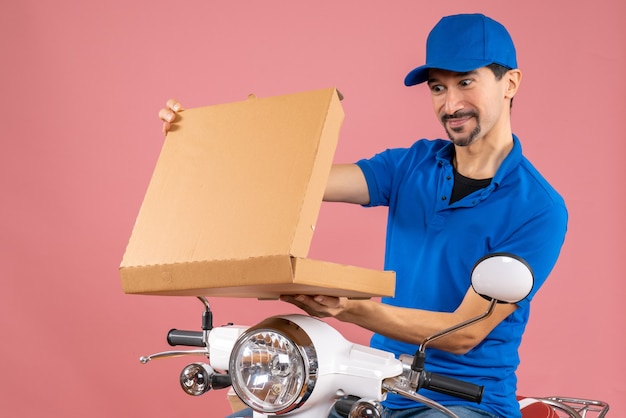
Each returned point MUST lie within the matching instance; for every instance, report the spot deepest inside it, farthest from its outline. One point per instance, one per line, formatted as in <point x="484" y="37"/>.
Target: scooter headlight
<point x="273" y="366"/>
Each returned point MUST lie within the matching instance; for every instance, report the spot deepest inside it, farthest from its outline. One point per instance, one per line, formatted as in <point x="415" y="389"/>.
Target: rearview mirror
<point x="502" y="277"/>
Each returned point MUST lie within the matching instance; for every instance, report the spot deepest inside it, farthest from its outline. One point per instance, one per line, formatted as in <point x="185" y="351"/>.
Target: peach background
<point x="81" y="85"/>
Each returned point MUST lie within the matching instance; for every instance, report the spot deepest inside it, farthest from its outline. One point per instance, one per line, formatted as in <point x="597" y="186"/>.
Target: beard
<point x="455" y="133"/>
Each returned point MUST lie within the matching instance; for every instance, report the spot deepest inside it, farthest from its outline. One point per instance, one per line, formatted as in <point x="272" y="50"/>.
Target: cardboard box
<point x="232" y="204"/>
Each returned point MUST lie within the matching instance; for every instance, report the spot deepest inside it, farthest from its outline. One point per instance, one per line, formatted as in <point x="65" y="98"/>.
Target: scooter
<point x="299" y="366"/>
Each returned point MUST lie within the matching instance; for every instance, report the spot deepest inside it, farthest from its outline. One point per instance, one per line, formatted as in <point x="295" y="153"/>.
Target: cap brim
<point x="420" y="74"/>
<point x="416" y="76"/>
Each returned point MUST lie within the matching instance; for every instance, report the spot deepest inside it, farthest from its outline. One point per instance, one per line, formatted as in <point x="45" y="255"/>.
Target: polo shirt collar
<point x="510" y="162"/>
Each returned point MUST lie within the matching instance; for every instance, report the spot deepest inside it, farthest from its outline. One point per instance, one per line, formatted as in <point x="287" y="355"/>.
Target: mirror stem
<point x="420" y="356"/>
<point x="464" y="324"/>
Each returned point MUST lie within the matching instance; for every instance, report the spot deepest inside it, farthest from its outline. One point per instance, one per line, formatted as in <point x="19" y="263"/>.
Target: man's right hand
<point x="168" y="114"/>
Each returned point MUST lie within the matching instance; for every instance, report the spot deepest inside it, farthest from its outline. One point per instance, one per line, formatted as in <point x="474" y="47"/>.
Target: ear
<point x="513" y="79"/>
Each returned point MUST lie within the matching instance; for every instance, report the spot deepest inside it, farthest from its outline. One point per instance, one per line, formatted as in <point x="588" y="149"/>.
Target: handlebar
<point x="450" y="386"/>
<point x="187" y="338"/>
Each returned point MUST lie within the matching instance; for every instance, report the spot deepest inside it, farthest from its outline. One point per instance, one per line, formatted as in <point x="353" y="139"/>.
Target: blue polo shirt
<point x="433" y="245"/>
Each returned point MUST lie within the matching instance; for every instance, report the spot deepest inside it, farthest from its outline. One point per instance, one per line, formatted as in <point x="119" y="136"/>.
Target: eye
<point x="436" y="88"/>
<point x="465" y="82"/>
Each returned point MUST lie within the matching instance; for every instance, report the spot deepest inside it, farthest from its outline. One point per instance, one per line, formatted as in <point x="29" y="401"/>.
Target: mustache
<point x="459" y="114"/>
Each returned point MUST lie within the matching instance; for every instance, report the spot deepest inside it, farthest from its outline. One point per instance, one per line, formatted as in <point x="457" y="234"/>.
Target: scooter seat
<point x="534" y="408"/>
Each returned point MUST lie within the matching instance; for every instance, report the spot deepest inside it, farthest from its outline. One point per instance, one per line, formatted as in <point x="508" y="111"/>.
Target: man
<point x="450" y="203"/>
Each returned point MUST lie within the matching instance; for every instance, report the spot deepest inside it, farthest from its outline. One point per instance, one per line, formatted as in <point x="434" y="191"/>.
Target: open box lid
<point x="236" y="185"/>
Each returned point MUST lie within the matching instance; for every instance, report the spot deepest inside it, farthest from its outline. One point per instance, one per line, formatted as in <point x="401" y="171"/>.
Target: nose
<point x="452" y="102"/>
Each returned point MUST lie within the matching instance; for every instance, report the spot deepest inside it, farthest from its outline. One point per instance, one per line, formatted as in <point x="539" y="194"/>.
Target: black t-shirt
<point x="464" y="186"/>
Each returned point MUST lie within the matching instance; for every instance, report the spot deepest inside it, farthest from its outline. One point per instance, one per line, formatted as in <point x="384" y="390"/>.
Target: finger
<point x="297" y="300"/>
<point x="321" y="300"/>
<point x="174" y="105"/>
<point x="307" y="300"/>
<point x="303" y="302"/>
<point x="327" y="301"/>
<point x="166" y="127"/>
<point x="167" y="115"/>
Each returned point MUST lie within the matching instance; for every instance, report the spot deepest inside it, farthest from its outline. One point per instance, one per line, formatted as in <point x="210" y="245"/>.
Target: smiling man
<point x="451" y="202"/>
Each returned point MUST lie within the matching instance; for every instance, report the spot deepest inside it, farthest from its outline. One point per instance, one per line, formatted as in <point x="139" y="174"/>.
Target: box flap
<point x="239" y="180"/>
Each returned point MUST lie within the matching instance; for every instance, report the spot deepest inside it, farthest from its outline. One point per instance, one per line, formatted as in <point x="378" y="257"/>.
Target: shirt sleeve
<point x="539" y="241"/>
<point x="384" y="170"/>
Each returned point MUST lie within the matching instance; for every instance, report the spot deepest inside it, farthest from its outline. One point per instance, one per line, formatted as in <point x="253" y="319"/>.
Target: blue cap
<point x="465" y="42"/>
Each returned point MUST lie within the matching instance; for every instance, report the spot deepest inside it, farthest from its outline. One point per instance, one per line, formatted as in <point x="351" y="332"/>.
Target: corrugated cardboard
<point x="233" y="201"/>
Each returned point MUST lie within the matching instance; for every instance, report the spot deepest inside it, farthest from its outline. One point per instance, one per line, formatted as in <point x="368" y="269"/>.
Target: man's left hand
<point x="319" y="306"/>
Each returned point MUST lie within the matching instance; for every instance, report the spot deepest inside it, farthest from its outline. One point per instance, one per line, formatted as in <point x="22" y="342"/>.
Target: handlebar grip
<point x="188" y="338"/>
<point x="452" y="387"/>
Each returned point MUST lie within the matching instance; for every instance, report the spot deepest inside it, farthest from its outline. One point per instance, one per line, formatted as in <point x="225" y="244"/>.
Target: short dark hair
<point x="499" y="71"/>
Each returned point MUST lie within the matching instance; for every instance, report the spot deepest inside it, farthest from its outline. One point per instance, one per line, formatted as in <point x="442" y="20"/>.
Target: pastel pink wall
<point x="82" y="81"/>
